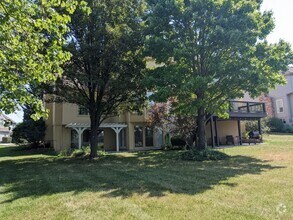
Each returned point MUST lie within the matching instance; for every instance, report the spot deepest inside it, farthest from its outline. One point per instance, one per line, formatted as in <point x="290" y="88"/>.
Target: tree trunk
<point x="201" y="129"/>
<point x="94" y="137"/>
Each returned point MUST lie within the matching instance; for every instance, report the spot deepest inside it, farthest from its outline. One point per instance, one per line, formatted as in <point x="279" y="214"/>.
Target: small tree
<point x="213" y="51"/>
<point x="30" y="130"/>
<point x="33" y="131"/>
<point x="105" y="72"/>
<point x="162" y="115"/>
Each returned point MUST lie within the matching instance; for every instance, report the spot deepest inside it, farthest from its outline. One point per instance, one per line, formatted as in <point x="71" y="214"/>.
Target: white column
<point x="117" y="131"/>
<point x="79" y="133"/>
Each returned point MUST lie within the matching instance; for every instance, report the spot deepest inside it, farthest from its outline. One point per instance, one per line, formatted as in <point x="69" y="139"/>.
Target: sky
<point x="283" y="15"/>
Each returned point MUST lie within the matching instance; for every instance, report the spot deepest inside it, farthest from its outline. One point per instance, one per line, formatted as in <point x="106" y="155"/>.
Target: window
<point x="149" y="140"/>
<point x="280" y="105"/>
<point x="138" y="136"/>
<point x="82" y="111"/>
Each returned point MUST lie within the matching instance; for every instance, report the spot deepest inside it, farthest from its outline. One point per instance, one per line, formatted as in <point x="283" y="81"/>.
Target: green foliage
<point x="203" y="155"/>
<point x="31" y="131"/>
<point x="77" y="153"/>
<point x="213" y="51"/>
<point x="85" y="152"/>
<point x="288" y="128"/>
<point x="31" y="41"/>
<point x="65" y="152"/>
<point x="105" y="71"/>
<point x="253" y="125"/>
<point x="168" y="143"/>
<point x="276" y="125"/>
<point x="177" y="143"/>
<point x="6" y="139"/>
<point x="269" y="124"/>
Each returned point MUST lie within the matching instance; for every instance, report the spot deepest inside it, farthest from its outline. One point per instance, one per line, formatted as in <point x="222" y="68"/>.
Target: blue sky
<point x="283" y="14"/>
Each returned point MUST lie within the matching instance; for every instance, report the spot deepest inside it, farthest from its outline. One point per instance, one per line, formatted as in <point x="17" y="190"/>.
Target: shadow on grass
<point x="154" y="173"/>
<point x="14" y="151"/>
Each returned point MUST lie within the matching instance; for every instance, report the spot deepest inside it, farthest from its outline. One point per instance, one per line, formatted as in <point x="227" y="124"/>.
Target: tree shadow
<point x="9" y="151"/>
<point x="154" y="173"/>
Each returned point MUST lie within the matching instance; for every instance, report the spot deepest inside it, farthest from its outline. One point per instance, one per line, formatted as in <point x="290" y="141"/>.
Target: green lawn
<point x="256" y="183"/>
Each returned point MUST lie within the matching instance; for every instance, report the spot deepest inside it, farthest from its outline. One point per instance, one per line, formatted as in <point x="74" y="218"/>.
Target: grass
<point x="255" y="183"/>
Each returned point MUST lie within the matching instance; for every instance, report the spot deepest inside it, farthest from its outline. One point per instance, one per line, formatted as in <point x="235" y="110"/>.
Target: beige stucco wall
<point x="61" y="114"/>
<point x="109" y="139"/>
<point x="70" y="114"/>
<point x="225" y="127"/>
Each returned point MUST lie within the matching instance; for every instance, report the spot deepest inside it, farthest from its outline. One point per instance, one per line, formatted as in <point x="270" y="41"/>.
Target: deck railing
<point x="247" y="107"/>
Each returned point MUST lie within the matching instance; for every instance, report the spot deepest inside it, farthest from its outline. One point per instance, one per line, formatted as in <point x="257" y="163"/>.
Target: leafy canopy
<point x="105" y="69"/>
<point x="213" y="51"/>
<point x="104" y="73"/>
<point x="31" y="40"/>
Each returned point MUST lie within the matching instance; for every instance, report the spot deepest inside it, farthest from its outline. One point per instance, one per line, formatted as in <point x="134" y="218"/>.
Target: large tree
<point x="31" y="40"/>
<point x="213" y="51"/>
<point x="105" y="70"/>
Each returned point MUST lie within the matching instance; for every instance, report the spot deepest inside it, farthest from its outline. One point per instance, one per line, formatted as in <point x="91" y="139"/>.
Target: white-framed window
<point x="280" y="105"/>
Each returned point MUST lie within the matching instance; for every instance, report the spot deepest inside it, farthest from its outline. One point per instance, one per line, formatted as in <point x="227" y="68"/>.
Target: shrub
<point x="65" y="152"/>
<point x="6" y="139"/>
<point x="253" y="125"/>
<point x="178" y="141"/>
<point x="276" y="125"/>
<point x="77" y="153"/>
<point x="203" y="155"/>
<point x="288" y="129"/>
<point x="168" y="141"/>
<point x="31" y="131"/>
<point x="85" y="152"/>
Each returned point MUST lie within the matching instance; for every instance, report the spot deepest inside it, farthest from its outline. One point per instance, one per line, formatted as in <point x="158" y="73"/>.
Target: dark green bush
<point x="276" y="125"/>
<point x="288" y="129"/>
<point x="6" y="139"/>
<point x="31" y="131"/>
<point x="83" y="152"/>
<point x="168" y="140"/>
<point x="203" y="155"/>
<point x="178" y="141"/>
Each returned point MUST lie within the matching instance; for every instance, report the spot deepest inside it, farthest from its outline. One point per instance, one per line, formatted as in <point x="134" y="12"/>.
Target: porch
<point x="239" y="111"/>
<point x="81" y="127"/>
<point x="125" y="137"/>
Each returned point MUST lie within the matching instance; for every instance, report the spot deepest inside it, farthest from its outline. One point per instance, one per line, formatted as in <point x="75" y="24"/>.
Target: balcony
<point x="247" y="110"/>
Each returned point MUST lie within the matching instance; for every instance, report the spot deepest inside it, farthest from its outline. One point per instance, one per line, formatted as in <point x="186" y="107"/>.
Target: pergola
<point x="81" y="127"/>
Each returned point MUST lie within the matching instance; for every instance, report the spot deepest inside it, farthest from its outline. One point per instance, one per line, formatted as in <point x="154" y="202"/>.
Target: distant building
<point x="282" y="99"/>
<point x="6" y="126"/>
